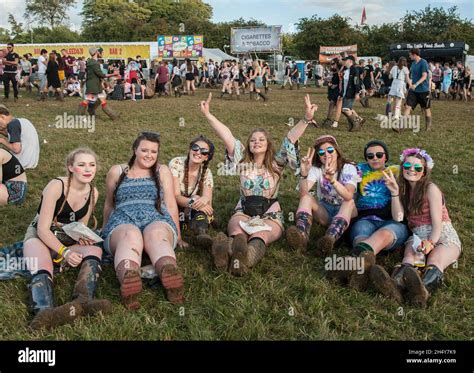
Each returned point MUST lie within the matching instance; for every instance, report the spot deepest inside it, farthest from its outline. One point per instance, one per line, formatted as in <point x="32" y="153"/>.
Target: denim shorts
<point x="332" y="210"/>
<point x="364" y="228"/>
<point x="347" y="103"/>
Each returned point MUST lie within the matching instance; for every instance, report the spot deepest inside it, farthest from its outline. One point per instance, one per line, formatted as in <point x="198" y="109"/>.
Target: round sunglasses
<point x="379" y="155"/>
<point x="196" y="148"/>
<point x="408" y="165"/>
<point x="329" y="150"/>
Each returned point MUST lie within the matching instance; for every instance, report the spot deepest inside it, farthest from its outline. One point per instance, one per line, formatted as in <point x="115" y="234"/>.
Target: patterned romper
<point x="135" y="204"/>
<point x="259" y="182"/>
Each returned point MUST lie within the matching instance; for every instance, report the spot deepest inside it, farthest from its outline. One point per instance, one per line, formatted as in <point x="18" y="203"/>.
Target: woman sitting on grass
<point x="193" y="186"/>
<point x="140" y="214"/>
<point x="13" y="184"/>
<point x="258" y="217"/>
<point x="64" y="200"/>
<point x="336" y="179"/>
<point x="434" y="238"/>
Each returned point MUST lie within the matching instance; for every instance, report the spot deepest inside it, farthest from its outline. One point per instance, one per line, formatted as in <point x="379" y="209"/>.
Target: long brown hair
<point x="414" y="205"/>
<point x="69" y="162"/>
<point x="402" y="61"/>
<point x="341" y="160"/>
<point x="152" y="137"/>
<point x="269" y="154"/>
<point x="204" y="166"/>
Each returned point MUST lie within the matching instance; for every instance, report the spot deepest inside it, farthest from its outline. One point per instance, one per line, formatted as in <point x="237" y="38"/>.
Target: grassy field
<point x="286" y="297"/>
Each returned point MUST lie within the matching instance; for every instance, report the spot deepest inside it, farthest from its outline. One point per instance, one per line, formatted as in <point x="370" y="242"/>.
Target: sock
<point x="103" y="104"/>
<point x="124" y="266"/>
<point x="160" y="263"/>
<point x="304" y="220"/>
<point x="337" y="227"/>
<point x="361" y="247"/>
<point x="397" y="110"/>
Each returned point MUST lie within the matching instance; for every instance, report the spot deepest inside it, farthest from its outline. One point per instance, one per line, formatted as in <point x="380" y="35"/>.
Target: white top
<point x="30" y="148"/>
<point x="183" y="69"/>
<point x="41" y="65"/>
<point x="325" y="190"/>
<point x="397" y="74"/>
<point x="176" y="71"/>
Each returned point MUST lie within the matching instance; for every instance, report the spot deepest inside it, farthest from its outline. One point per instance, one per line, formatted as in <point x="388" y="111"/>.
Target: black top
<point x="52" y="73"/>
<point x="67" y="215"/>
<point x="11" y="169"/>
<point x="10" y="57"/>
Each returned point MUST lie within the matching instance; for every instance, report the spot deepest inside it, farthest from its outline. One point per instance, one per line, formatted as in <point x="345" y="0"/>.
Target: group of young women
<point x="148" y="205"/>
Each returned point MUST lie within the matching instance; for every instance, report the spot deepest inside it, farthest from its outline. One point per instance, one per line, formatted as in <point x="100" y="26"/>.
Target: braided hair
<point x="69" y="162"/>
<point x="149" y="136"/>
<point x="204" y="168"/>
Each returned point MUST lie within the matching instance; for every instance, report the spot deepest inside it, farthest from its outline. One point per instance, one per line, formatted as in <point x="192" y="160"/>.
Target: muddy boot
<point x="239" y="265"/>
<point x="255" y="251"/>
<point x="350" y="121"/>
<point x="384" y="284"/>
<point x="360" y="281"/>
<point x="251" y="95"/>
<point x="327" y="122"/>
<point x="42" y="304"/>
<point x="356" y="123"/>
<point x="82" y="108"/>
<point x="107" y="110"/>
<point x="42" y="96"/>
<point x="262" y="96"/>
<point x="60" y="96"/>
<point x="173" y="283"/>
<point x="204" y="241"/>
<point x="92" y="106"/>
<point x="325" y="244"/>
<point x="432" y="278"/>
<point x="297" y="236"/>
<point x="417" y="294"/>
<point x="86" y="285"/>
<point x="128" y="275"/>
<point x="221" y="251"/>
<point x="397" y="276"/>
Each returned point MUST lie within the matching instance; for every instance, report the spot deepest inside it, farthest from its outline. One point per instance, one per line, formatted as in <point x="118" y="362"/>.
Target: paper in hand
<point x="78" y="230"/>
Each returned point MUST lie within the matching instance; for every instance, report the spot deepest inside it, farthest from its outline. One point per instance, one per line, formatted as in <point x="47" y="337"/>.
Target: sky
<point x="281" y="12"/>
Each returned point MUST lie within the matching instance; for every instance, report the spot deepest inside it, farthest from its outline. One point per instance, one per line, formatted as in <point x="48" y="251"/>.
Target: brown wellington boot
<point x="325" y="245"/>
<point x="360" y="281"/>
<point x="297" y="239"/>
<point x="130" y="287"/>
<point x="239" y="265"/>
<point x="110" y="112"/>
<point x="53" y="317"/>
<point x="173" y="283"/>
<point x="220" y="251"/>
<point x="416" y="291"/>
<point x="384" y="284"/>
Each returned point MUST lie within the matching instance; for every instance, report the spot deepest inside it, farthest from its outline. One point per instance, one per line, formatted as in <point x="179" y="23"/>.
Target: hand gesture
<point x="426" y="246"/>
<point x="329" y="172"/>
<point x="310" y="108"/>
<point x="205" y="105"/>
<point x="307" y="162"/>
<point x="199" y="202"/>
<point x="182" y="244"/>
<point x="390" y="182"/>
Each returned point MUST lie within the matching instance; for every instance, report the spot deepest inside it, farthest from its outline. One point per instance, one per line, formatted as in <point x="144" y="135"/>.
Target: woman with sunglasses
<point x="377" y="227"/>
<point x="435" y="244"/>
<point x="336" y="179"/>
<point x="193" y="187"/>
<point x="140" y="214"/>
<point x="258" y="217"/>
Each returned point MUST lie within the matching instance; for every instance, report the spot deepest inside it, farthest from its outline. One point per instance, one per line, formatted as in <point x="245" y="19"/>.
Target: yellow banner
<point x="115" y="51"/>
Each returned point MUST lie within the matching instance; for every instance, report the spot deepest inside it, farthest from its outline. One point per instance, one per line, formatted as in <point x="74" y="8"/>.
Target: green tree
<point x="50" y="12"/>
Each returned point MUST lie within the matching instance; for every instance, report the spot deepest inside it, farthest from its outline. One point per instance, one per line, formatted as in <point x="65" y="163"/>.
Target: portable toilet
<point x="300" y="65"/>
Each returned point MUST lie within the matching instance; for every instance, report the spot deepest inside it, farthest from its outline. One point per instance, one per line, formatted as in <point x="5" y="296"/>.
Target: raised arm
<point x="221" y="129"/>
<point x="297" y="131"/>
<point x="110" y="185"/>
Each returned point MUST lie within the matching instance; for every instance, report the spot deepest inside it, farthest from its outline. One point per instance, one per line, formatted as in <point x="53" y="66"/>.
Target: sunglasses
<point x="379" y="155"/>
<point x="149" y="134"/>
<point x="329" y="150"/>
<point x="418" y="167"/>
<point x="196" y="148"/>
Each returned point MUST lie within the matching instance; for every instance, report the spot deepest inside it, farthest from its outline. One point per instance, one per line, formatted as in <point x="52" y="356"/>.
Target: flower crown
<point x="415" y="151"/>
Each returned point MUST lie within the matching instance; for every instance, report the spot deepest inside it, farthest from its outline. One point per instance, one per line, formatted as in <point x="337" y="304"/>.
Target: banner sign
<point x="176" y="46"/>
<point x="326" y="54"/>
<point x="256" y="39"/>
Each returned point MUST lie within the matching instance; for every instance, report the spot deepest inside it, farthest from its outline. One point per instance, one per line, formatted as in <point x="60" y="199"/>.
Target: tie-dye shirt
<point x="373" y="197"/>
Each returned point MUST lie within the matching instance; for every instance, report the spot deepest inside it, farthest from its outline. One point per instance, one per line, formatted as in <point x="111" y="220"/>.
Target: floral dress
<point x="256" y="181"/>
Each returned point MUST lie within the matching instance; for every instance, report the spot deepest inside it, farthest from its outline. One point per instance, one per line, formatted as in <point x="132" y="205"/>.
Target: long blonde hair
<point x="269" y="154"/>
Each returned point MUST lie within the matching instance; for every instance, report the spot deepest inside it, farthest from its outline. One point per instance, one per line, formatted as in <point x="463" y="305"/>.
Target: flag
<point x="364" y="17"/>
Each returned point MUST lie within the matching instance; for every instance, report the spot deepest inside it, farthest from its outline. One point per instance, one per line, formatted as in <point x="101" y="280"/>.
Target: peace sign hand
<point x="205" y="105"/>
<point x="307" y="161"/>
<point x="329" y="172"/>
<point x="390" y="181"/>
<point x="310" y="108"/>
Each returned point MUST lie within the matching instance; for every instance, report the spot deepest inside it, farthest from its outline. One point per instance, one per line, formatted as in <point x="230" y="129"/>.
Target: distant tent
<point x="217" y="55"/>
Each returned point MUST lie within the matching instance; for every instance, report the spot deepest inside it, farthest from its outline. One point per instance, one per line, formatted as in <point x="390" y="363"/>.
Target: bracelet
<point x="307" y="121"/>
<point x="395" y="196"/>
<point x="63" y="250"/>
<point x="333" y="182"/>
<point x="303" y="176"/>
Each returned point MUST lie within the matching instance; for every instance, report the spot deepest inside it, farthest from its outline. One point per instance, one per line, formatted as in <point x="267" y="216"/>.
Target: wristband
<point x="333" y="182"/>
<point x="394" y="196"/>
<point x="303" y="177"/>
<point x="191" y="201"/>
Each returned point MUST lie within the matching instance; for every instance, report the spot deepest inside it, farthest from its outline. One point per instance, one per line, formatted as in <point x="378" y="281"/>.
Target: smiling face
<point x="374" y="152"/>
<point x="416" y="170"/>
<point x="329" y="155"/>
<point x="195" y="155"/>
<point x="146" y="154"/>
<point x="258" y="143"/>
<point x="83" y="168"/>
